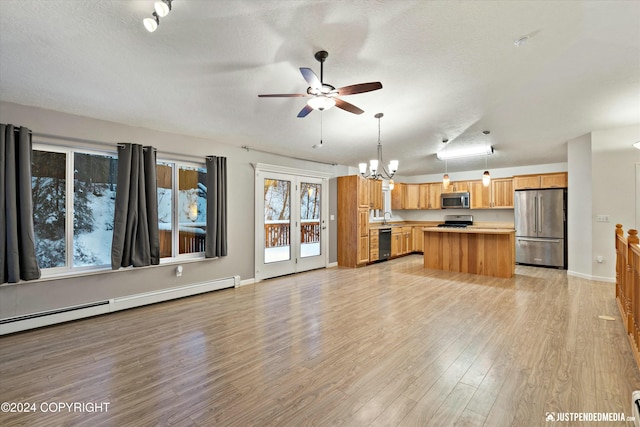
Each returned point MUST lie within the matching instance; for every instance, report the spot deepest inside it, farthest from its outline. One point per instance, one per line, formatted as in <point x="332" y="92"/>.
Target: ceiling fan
<point x="323" y="95"/>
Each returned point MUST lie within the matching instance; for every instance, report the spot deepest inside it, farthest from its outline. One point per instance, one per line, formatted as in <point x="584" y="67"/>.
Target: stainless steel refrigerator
<point x="541" y="227"/>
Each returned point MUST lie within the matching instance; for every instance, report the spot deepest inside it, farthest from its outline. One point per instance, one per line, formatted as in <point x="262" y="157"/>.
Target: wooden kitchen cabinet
<point x="554" y="180"/>
<point x="411" y="196"/>
<point x="397" y="196"/>
<point x="435" y="190"/>
<point x="374" y="245"/>
<point x="353" y="221"/>
<point x="406" y="240"/>
<point x="362" y="192"/>
<point x="396" y="242"/>
<point x="375" y="194"/>
<point x="499" y="194"/>
<point x="547" y="180"/>
<point x="502" y="193"/>
<point x="456" y="187"/>
<point x="417" y="239"/>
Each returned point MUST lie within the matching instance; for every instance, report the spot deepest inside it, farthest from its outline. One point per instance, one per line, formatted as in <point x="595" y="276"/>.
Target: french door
<point x="291" y="228"/>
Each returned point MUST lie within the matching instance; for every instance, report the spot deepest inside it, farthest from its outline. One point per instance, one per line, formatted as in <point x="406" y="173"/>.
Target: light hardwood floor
<point x="386" y="345"/>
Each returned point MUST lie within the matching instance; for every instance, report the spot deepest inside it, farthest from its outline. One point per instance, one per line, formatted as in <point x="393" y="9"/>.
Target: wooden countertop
<point x="470" y="230"/>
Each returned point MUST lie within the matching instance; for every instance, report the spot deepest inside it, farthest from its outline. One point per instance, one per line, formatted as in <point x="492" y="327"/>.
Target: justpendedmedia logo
<point x="587" y="417"/>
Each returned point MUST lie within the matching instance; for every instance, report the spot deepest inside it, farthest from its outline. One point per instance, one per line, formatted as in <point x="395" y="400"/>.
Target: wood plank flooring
<point x="391" y="344"/>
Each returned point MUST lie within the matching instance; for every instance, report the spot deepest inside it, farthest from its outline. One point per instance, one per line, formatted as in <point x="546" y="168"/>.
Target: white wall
<point x="579" y="215"/>
<point x="35" y="296"/>
<point x="614" y="193"/>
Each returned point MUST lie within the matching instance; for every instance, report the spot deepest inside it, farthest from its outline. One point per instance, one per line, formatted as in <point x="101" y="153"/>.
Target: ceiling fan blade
<point x="311" y="78"/>
<point x="359" y="88"/>
<point x="305" y="110"/>
<point x="348" y="107"/>
<point x="282" y="95"/>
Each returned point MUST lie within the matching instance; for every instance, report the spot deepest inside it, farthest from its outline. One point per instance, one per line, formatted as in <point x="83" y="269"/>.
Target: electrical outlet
<point x="602" y="218"/>
<point x="600" y="259"/>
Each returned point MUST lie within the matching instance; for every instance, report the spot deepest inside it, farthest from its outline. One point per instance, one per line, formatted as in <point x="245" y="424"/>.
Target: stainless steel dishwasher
<point x="384" y="243"/>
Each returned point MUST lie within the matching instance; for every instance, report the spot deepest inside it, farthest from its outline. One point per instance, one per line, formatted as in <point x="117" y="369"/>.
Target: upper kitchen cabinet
<point x="363" y="191"/>
<point x="429" y="195"/>
<point x="397" y="196"/>
<point x="497" y="195"/>
<point x="457" y="187"/>
<point x="547" y="180"/>
<point x="375" y="194"/>
<point x="411" y="196"/>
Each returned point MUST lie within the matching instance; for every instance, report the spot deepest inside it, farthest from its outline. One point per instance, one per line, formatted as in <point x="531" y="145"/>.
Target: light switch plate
<point x="602" y="218"/>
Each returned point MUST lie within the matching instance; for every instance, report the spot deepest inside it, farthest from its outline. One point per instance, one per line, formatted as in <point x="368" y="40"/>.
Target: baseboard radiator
<point x="66" y="314"/>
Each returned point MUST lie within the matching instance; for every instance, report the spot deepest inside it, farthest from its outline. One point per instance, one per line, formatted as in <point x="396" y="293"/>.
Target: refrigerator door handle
<point x="535" y="210"/>
<point x="540" y="214"/>
<point x="525" y="239"/>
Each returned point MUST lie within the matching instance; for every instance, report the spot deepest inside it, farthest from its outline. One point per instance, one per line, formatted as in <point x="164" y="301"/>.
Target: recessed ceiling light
<point x="521" y="41"/>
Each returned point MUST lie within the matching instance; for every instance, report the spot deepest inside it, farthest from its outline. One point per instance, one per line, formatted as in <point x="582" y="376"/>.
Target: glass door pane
<point x="277" y="220"/>
<point x="310" y="208"/>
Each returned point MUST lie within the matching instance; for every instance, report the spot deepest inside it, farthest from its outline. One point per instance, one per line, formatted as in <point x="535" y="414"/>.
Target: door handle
<point x="540" y="214"/>
<point x="535" y="209"/>
<point x="524" y="239"/>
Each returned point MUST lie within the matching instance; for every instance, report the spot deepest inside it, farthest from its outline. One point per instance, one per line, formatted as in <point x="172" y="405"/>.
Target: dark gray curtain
<point x="18" y="260"/>
<point x="216" y="237"/>
<point x="135" y="229"/>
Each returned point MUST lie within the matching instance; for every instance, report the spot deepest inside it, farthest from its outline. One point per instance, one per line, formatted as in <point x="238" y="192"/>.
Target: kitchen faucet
<point x="384" y="217"/>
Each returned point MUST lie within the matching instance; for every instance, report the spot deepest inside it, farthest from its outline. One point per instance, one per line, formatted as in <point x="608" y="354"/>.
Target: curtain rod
<point x="288" y="157"/>
<point x="108" y="144"/>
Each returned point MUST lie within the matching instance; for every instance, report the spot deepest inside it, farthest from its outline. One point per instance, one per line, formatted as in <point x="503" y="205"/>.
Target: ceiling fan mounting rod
<point x="321" y="56"/>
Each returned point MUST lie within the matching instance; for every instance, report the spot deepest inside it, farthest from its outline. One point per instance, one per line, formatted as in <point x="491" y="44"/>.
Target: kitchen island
<point x="484" y="251"/>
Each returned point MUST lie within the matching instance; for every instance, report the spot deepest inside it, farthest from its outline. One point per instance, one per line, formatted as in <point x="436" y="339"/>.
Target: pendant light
<point x="377" y="169"/>
<point x="486" y="177"/>
<point x="445" y="177"/>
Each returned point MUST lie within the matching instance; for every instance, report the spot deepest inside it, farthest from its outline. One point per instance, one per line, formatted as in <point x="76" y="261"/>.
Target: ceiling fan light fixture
<point x="321" y="102"/>
<point x="151" y="24"/>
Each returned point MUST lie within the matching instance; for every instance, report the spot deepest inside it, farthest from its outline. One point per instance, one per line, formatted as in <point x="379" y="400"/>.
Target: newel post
<point x="631" y="297"/>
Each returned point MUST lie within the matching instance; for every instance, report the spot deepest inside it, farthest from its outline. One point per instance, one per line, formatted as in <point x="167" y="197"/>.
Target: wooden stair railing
<point x="628" y="285"/>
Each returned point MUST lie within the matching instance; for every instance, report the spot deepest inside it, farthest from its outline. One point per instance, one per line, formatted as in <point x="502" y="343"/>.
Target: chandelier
<point x="377" y="169"/>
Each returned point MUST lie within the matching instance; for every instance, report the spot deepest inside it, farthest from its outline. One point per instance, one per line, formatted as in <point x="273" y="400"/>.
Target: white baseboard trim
<point x="246" y="282"/>
<point x="332" y="264"/>
<point x="66" y="314"/>
<point x="590" y="277"/>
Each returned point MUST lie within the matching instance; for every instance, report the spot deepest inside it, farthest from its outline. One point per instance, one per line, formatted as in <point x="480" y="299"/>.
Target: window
<point x="84" y="239"/>
<point x="187" y="214"/>
<point x="74" y="194"/>
<point x="48" y="186"/>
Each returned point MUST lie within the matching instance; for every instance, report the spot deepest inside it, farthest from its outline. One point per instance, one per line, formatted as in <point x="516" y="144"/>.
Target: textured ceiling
<point x="449" y="69"/>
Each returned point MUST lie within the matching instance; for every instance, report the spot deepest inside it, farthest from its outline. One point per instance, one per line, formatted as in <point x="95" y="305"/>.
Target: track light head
<point x="151" y="24"/>
<point x="162" y="7"/>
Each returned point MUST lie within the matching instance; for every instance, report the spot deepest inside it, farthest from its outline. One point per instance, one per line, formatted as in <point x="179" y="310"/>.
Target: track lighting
<point x="151" y="24"/>
<point x="161" y="9"/>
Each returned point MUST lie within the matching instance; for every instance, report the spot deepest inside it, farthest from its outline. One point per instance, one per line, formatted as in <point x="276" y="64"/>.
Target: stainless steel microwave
<point x="455" y="200"/>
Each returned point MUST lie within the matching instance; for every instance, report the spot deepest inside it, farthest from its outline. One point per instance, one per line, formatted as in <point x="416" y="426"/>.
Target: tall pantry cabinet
<point x="353" y="221"/>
